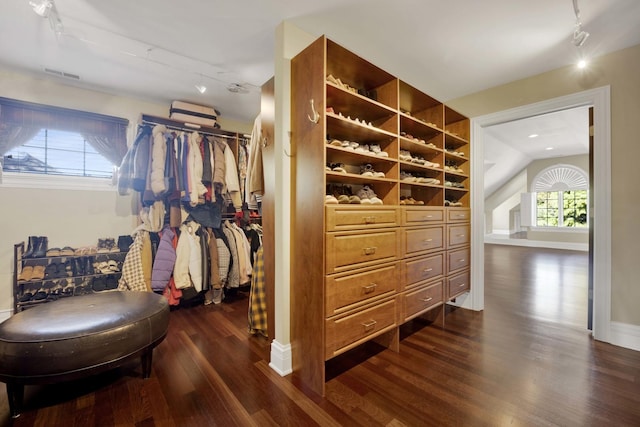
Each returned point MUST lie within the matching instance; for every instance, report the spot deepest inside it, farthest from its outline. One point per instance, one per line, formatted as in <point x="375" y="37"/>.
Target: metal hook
<point x="316" y="116"/>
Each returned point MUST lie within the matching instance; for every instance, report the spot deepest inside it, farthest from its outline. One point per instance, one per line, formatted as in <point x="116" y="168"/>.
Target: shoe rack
<point x="50" y="274"/>
<point x="381" y="212"/>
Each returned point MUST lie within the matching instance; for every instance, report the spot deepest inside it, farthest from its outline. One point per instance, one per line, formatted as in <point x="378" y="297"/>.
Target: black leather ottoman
<point x="79" y="336"/>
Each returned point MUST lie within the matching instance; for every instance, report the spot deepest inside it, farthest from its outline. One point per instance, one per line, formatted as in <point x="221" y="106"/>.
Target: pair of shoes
<point x="404" y="200"/>
<point x="338" y="167"/>
<point x="367" y="170"/>
<point x="368" y="196"/>
<point x="37" y="247"/>
<point x="330" y="199"/>
<point x="107" y="245"/>
<point x="26" y="274"/>
<point x="375" y="148"/>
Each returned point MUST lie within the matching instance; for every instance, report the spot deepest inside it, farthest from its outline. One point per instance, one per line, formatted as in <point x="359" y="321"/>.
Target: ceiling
<point x="510" y="147"/>
<point x="160" y="50"/>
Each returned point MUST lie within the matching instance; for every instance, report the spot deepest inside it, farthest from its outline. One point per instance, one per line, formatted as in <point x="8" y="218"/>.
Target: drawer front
<point x="458" y="284"/>
<point x="458" y="235"/>
<point x="417" y="216"/>
<point x="421" y="269"/>
<point x="345" y="291"/>
<point x="420" y="300"/>
<point x="340" y="218"/>
<point x="347" y="332"/>
<point x="349" y="250"/>
<point x="458" y="214"/>
<point x="423" y="240"/>
<point x="458" y="259"/>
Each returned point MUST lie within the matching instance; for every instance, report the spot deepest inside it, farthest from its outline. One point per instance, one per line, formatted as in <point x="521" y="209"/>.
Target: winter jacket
<point x="187" y="271"/>
<point x="231" y="179"/>
<point x="158" y="161"/>
<point x="164" y="261"/>
<point x="218" y="165"/>
<point x="141" y="161"/>
<point x="197" y="189"/>
<point x="127" y="166"/>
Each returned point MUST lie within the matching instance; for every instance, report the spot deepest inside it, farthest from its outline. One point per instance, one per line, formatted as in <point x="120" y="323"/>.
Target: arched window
<point x="561" y="197"/>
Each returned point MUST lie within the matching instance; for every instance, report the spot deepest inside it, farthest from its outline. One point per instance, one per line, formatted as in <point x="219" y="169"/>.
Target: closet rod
<point x="182" y="126"/>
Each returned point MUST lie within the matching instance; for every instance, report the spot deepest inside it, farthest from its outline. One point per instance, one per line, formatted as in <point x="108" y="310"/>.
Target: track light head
<point x="42" y="7"/>
<point x="579" y="37"/>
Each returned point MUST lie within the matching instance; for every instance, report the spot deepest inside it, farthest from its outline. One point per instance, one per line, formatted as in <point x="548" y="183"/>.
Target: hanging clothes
<point x="255" y="177"/>
<point x="258" y="297"/>
<point x="133" y="278"/>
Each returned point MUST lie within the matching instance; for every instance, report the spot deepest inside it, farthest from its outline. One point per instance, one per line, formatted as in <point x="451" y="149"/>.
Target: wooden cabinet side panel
<point x="307" y="241"/>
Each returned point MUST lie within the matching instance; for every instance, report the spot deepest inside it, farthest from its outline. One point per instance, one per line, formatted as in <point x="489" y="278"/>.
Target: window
<point x="38" y="139"/>
<point x="54" y="152"/>
<point x="562" y="208"/>
<point x="561" y="197"/>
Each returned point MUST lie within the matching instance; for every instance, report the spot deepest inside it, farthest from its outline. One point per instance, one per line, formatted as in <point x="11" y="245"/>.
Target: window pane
<point x="58" y="153"/>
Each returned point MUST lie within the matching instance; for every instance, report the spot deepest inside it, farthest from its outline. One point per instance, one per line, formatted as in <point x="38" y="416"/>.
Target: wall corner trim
<point x="625" y="335"/>
<point x="281" y="358"/>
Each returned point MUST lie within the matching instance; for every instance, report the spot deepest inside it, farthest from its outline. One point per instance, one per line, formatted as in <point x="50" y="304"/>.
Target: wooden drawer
<point x="420" y="300"/>
<point x="421" y="215"/>
<point x="458" y="235"/>
<point x="348" y="250"/>
<point x="349" y="331"/>
<point x="423" y="240"/>
<point x="458" y="284"/>
<point x="458" y="214"/>
<point x="420" y="269"/>
<point x="347" y="290"/>
<point x="458" y="259"/>
<point x="340" y="218"/>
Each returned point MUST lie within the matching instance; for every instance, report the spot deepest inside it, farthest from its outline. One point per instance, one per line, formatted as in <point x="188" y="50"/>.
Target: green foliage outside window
<point x="562" y="208"/>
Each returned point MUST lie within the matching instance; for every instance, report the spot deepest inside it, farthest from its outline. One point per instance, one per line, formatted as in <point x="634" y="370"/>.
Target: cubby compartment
<point x="420" y="106"/>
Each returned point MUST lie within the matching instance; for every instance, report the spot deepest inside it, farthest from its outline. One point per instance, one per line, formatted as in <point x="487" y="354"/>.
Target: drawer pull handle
<point x="428" y="217"/>
<point x="460" y="235"/>
<point x="461" y="260"/>
<point x="427" y="270"/>
<point x="369" y="219"/>
<point x="370" y="288"/>
<point x="370" y="251"/>
<point x="461" y="215"/>
<point x="462" y="285"/>
<point x="370" y="325"/>
<point x="427" y="299"/>
<point x="427" y="241"/>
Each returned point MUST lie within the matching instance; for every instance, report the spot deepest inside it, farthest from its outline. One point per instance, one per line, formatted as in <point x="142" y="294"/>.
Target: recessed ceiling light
<point x="549" y="148"/>
<point x="533" y="135"/>
<point x="201" y="88"/>
<point x="582" y="63"/>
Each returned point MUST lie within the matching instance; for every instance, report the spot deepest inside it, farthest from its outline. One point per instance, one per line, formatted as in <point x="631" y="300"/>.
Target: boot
<point x="88" y="266"/>
<point x="33" y="241"/>
<point x="80" y="266"/>
<point x="40" y="251"/>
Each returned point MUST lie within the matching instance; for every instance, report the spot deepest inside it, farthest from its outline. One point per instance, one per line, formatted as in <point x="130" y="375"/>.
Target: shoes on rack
<point x="375" y="148"/>
<point x="26" y="273"/>
<point x="338" y="167"/>
<point x="368" y="196"/>
<point x="330" y="199"/>
<point x="40" y="250"/>
<point x="33" y="241"/>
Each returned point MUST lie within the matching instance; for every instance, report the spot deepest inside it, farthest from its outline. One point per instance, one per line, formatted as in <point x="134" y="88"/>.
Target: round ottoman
<point x="79" y="336"/>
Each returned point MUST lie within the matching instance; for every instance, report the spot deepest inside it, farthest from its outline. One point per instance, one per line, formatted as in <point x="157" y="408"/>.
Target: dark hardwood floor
<point x="525" y="361"/>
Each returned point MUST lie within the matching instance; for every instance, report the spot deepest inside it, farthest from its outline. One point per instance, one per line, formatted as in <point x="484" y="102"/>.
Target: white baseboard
<point x="498" y="239"/>
<point x="625" y="335"/>
<point x="5" y="314"/>
<point x="501" y="231"/>
<point x="281" y="358"/>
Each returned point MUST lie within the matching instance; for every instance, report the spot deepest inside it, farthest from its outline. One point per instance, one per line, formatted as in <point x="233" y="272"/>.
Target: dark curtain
<point x="19" y="119"/>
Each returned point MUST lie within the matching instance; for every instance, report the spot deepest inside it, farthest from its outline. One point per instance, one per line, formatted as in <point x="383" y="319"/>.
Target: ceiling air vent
<point x="62" y="74"/>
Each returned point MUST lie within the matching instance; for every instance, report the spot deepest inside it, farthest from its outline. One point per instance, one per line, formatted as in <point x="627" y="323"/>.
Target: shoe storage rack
<point x="55" y="274"/>
<point x="381" y="211"/>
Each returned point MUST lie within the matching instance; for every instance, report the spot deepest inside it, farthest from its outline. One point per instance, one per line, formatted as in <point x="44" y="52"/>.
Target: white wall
<point x="501" y="201"/>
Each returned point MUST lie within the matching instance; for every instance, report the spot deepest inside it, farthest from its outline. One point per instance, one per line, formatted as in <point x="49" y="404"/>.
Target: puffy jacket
<point x="127" y="166"/>
<point x="158" y="161"/>
<point x="187" y="271"/>
<point x="164" y="262"/>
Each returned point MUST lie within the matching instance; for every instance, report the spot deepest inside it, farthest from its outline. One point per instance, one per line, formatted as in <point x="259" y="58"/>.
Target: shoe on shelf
<point x="407" y="177"/>
<point x="330" y="200"/>
<point x="367" y="170"/>
<point x="332" y="79"/>
<point x="375" y="148"/>
<point x="338" y="167"/>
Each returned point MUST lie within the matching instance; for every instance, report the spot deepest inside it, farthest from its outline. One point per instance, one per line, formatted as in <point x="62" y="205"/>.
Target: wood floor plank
<point x="526" y="360"/>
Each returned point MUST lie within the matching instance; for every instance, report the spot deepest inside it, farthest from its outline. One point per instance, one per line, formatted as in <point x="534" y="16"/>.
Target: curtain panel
<point x="19" y="119"/>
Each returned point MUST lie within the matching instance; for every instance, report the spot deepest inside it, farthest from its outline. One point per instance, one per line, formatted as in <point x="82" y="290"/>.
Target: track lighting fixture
<point x="47" y="9"/>
<point x="579" y="35"/>
<point x="41" y="7"/>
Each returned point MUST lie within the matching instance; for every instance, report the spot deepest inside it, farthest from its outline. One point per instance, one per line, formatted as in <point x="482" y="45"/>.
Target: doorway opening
<point x="601" y="199"/>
